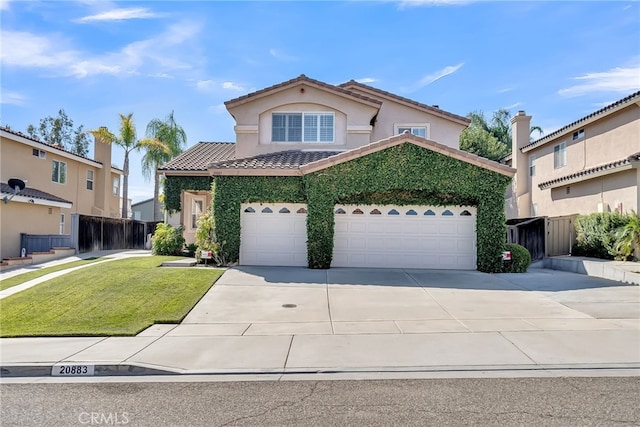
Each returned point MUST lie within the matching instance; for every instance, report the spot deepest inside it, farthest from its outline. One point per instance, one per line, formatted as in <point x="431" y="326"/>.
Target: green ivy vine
<point x="403" y="175"/>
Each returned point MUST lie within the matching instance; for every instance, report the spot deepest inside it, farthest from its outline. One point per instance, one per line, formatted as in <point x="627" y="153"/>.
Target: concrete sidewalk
<point x="298" y="321"/>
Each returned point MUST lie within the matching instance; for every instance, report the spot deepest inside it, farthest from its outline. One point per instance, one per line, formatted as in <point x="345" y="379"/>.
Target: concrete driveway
<point x="296" y="320"/>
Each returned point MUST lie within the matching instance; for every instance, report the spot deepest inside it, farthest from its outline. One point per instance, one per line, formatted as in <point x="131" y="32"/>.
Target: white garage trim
<point x="273" y="234"/>
<point x="389" y="236"/>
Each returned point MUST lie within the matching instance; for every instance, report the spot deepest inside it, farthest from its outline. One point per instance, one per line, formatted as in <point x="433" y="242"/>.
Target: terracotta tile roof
<point x="304" y="79"/>
<point x="591" y="172"/>
<point x="32" y="193"/>
<point x="290" y="160"/>
<point x="429" y="108"/>
<point x="198" y="157"/>
<point x="634" y="97"/>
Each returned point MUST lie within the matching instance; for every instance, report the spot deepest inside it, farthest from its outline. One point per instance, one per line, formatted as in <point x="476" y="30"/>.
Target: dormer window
<point x="302" y="127"/>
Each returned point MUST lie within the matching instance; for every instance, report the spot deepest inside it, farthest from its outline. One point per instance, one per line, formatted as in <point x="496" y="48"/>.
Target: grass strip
<point x="25" y="277"/>
<point x="117" y="298"/>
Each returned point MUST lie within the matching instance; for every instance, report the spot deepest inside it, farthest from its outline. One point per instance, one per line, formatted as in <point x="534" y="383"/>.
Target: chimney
<point x="520" y="131"/>
<point x="103" y="184"/>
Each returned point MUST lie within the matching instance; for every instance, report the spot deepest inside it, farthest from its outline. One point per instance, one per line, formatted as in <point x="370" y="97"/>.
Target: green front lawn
<point x="25" y="277"/>
<point x="120" y="297"/>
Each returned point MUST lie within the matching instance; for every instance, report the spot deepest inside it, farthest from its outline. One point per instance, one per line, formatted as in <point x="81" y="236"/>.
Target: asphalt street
<point x="497" y="401"/>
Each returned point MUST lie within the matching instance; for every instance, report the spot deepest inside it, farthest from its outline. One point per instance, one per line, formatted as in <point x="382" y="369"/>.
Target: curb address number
<point x="72" y="370"/>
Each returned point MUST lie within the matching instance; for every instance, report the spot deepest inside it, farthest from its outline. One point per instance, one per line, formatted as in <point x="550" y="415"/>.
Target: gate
<point x="95" y="233"/>
<point x="561" y="235"/>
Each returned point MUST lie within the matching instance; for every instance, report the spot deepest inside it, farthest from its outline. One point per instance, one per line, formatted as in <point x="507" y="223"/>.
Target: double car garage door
<point x="364" y="236"/>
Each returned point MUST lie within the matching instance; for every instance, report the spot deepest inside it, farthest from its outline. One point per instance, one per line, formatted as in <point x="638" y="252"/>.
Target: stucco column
<point x="521" y="129"/>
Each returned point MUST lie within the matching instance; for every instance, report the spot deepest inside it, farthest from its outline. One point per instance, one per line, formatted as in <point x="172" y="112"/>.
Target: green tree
<point x="59" y="131"/>
<point x="128" y="140"/>
<point x="174" y="138"/>
<point x="627" y="238"/>
<point x="490" y="139"/>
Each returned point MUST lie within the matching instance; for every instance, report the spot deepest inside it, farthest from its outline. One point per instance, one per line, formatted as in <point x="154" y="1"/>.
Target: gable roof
<point x="402" y="139"/>
<point x="392" y="96"/>
<point x="34" y="196"/>
<point x="196" y="159"/>
<point x="603" y="112"/>
<point x="297" y="81"/>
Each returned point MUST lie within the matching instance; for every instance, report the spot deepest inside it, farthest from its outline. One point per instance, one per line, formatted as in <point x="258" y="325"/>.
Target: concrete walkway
<point x="289" y="321"/>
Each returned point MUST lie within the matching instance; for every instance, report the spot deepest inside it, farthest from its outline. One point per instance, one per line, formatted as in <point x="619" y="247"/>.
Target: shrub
<point x="520" y="259"/>
<point x="627" y="239"/>
<point x="168" y="240"/>
<point x="595" y="234"/>
<point x="191" y="249"/>
<point x="206" y="239"/>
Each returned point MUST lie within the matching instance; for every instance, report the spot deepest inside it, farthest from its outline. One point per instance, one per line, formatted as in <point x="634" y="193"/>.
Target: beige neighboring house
<point x="590" y="165"/>
<point x="59" y="183"/>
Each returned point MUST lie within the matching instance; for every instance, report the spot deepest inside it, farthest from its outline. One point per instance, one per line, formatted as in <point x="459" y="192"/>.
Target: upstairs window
<point x="421" y="130"/>
<point x="560" y="155"/>
<point x="89" y="180"/>
<point x="578" y="135"/>
<point x="39" y="153"/>
<point x="59" y="172"/>
<point x="116" y="186"/>
<point x="532" y="165"/>
<point x="302" y="127"/>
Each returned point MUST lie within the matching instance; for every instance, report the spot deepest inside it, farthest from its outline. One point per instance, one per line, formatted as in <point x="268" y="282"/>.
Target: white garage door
<point x="405" y="237"/>
<point x="273" y="234"/>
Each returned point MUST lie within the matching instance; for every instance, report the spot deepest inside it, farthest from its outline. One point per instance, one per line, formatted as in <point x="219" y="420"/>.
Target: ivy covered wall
<point x="404" y="174"/>
<point x="175" y="185"/>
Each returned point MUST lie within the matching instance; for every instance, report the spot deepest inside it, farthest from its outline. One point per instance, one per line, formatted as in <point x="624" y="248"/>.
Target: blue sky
<point x="558" y="61"/>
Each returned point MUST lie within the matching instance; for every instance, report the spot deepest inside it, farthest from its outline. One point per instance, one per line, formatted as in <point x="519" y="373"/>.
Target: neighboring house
<point x="589" y="165"/>
<point x="58" y="183"/>
<point x="349" y="175"/>
<point x="143" y="211"/>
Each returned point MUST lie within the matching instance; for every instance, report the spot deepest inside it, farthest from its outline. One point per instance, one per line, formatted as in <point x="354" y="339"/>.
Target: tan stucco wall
<point x="18" y="217"/>
<point x="253" y="120"/>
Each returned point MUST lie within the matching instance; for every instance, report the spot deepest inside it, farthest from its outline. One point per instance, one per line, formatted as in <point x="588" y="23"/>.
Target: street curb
<point x="115" y="370"/>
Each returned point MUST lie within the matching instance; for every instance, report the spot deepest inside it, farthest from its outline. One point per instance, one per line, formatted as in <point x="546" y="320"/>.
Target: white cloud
<point x="205" y="85"/>
<point x="512" y="106"/>
<point x="620" y="79"/>
<point x="12" y="98"/>
<point x="120" y="15"/>
<point x="232" y="86"/>
<point x="278" y="54"/>
<point x="4" y="4"/>
<point x="366" y="80"/>
<point x="156" y="55"/>
<point x="505" y="90"/>
<point x="433" y="77"/>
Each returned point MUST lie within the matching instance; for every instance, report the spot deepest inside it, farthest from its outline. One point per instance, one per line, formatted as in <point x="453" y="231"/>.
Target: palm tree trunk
<point x="125" y="185"/>
<point x="156" y="202"/>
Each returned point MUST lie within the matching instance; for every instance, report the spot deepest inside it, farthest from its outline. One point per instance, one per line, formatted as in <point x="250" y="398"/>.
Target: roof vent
<point x="436" y="106"/>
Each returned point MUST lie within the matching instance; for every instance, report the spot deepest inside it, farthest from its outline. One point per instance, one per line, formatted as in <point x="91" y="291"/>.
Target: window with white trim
<point x="89" y="179"/>
<point x="197" y="209"/>
<point x="59" y="172"/>
<point x="532" y="165"/>
<point x="560" y="155"/>
<point x="302" y="127"/>
<point x="420" y="131"/>
<point x="116" y="186"/>
<point x="578" y="134"/>
<point x="39" y="153"/>
<point x="61" y="223"/>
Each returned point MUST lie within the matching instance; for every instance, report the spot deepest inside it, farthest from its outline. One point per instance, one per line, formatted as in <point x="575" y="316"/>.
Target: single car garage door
<point x="273" y="234"/>
<point x="405" y="237"/>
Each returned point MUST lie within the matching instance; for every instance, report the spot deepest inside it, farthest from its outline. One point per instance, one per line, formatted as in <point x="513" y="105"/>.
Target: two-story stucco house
<point x="589" y="165"/>
<point x="58" y="183"/>
<point x="327" y="175"/>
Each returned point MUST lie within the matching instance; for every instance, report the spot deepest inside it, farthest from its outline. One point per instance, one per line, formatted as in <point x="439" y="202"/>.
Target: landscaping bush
<point x="168" y="240"/>
<point x="206" y="240"/>
<point x="520" y="259"/>
<point x="627" y="239"/>
<point x="595" y="234"/>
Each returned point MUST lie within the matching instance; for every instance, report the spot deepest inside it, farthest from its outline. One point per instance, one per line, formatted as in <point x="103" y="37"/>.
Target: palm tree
<point x="128" y="140"/>
<point x="174" y="139"/>
<point x="628" y="238"/>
